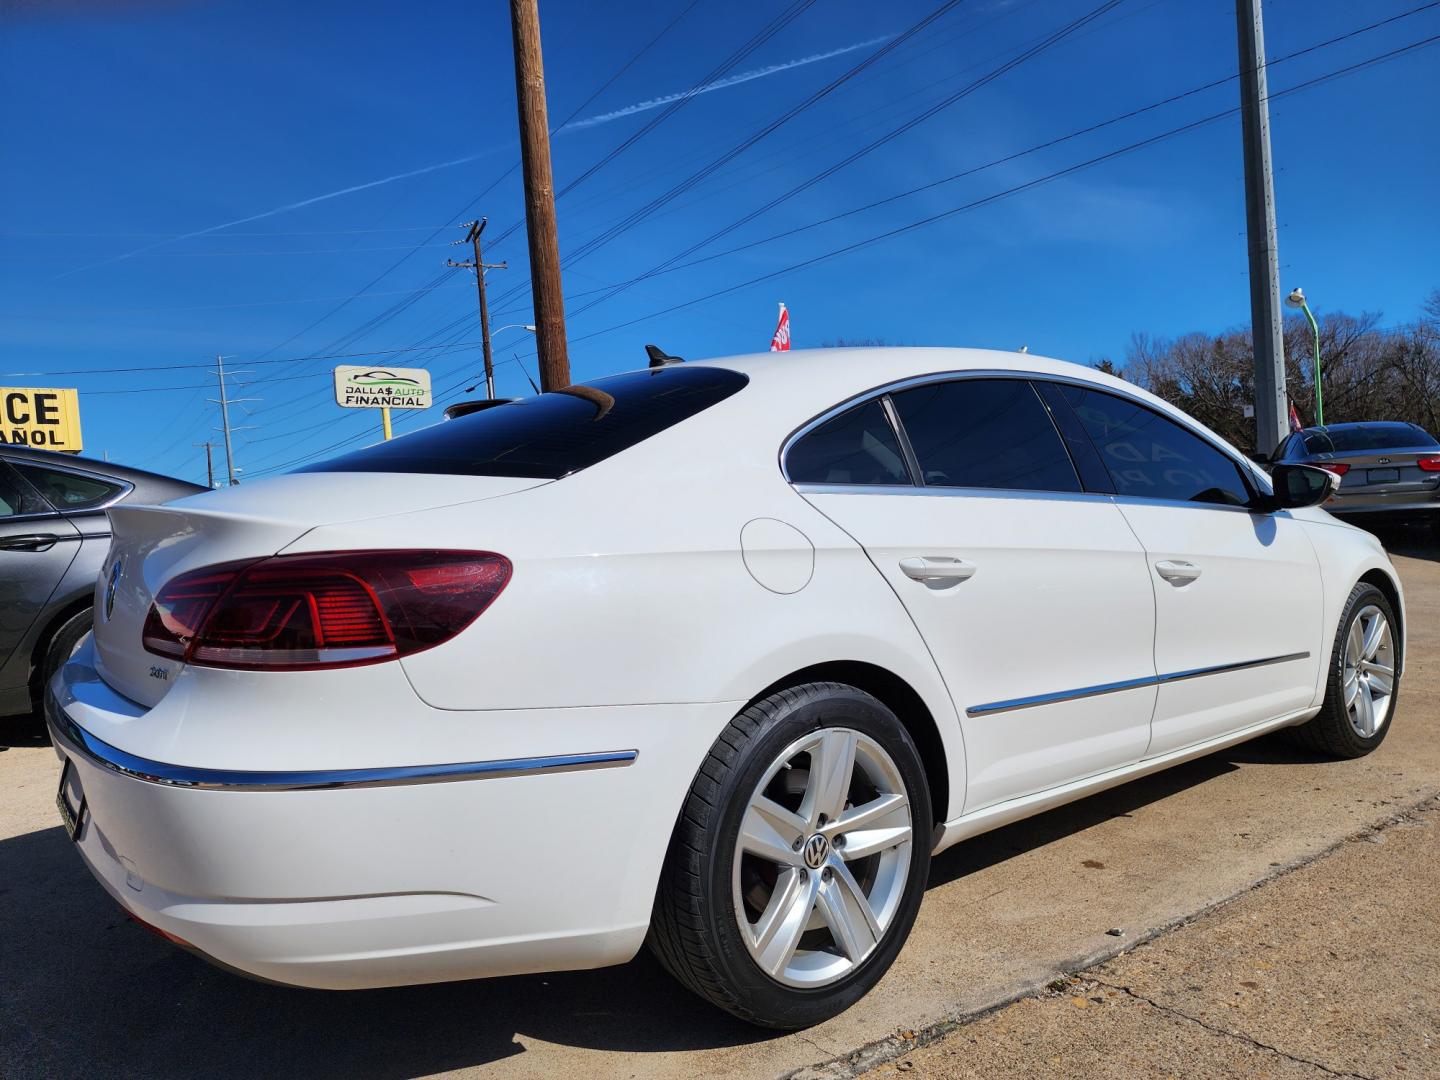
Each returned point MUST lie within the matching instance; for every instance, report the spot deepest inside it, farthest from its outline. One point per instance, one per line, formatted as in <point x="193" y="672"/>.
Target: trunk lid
<point x="1390" y="470"/>
<point x="152" y="544"/>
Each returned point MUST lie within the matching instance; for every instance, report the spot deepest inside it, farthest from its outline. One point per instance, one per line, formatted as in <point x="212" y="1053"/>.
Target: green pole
<point x="1319" y="399"/>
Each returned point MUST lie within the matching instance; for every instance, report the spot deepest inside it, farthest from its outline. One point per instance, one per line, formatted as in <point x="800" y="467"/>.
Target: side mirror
<point x="1301" y="485"/>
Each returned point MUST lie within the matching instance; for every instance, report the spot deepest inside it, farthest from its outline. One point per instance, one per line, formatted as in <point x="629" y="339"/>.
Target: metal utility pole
<point x="209" y="462"/>
<point x="549" y="300"/>
<point x="225" y="401"/>
<point x="224" y="404"/>
<point x="1266" y="329"/>
<point x="480" y="266"/>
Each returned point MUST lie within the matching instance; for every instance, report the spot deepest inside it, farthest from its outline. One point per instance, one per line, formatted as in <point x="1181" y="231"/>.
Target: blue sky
<point x="132" y="131"/>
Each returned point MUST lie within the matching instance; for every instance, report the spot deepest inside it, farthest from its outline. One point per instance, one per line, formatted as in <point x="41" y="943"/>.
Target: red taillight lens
<point x="332" y="609"/>
<point x="1429" y="464"/>
<point x="1339" y="468"/>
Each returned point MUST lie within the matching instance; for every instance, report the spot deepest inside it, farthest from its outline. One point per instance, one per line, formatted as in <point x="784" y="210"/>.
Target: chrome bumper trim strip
<point x="77" y="741"/>
<point x="1128" y="684"/>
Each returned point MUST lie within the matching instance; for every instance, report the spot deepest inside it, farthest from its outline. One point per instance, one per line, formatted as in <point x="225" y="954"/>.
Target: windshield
<point x="1366" y="437"/>
<point x="552" y="435"/>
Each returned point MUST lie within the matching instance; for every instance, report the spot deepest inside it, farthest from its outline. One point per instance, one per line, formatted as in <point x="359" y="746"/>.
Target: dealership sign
<point x="40" y="417"/>
<point x="361" y="387"/>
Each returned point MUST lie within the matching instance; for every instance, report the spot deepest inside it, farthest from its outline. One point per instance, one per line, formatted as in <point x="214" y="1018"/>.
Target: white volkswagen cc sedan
<point x="714" y="655"/>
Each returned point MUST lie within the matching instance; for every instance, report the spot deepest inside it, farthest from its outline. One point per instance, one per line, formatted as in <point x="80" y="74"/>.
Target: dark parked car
<point x="53" y="538"/>
<point x="1388" y="471"/>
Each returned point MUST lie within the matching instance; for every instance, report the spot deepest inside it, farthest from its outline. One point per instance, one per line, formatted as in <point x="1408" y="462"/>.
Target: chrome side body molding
<point x="81" y="743"/>
<point x="1128" y="684"/>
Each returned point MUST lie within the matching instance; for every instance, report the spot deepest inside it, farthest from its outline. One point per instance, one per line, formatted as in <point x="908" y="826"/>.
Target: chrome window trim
<point x="80" y="743"/>
<point x="1248" y="468"/>
<point x="951" y="492"/>
<point x="1014" y="704"/>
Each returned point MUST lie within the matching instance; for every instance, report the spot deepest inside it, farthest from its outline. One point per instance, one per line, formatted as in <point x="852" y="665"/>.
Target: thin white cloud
<point x="719" y="84"/>
<point x="593" y="121"/>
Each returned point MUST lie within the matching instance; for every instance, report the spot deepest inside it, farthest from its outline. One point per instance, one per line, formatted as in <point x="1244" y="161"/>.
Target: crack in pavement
<point x="1214" y="1029"/>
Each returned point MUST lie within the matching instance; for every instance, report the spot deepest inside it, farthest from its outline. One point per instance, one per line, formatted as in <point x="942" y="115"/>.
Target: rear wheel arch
<point x="46" y="635"/>
<point x="900" y="698"/>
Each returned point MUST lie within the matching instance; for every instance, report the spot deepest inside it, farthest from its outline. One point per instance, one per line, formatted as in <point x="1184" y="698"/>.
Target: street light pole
<point x="1297" y="300"/>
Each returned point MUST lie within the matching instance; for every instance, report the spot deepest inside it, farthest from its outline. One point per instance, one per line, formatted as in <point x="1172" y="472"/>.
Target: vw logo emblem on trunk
<point x="816" y="848"/>
<point x="110" y="587"/>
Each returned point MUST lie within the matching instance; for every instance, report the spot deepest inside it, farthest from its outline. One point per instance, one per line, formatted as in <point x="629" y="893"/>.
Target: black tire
<point x="694" y="930"/>
<point x="1330" y="731"/>
<point x="62" y="645"/>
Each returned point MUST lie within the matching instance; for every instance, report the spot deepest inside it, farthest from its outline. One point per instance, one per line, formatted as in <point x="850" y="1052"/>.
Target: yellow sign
<point x="43" y="418"/>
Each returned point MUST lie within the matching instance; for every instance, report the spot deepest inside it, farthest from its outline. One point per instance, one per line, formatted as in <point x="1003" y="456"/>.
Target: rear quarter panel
<point x="630" y="587"/>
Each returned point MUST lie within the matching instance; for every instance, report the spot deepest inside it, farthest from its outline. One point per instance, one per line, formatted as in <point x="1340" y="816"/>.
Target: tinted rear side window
<point x="70" y="491"/>
<point x="856" y="447"/>
<point x="985" y="433"/>
<point x="1152" y="457"/>
<point x="1366" y="437"/>
<point x="552" y="435"/>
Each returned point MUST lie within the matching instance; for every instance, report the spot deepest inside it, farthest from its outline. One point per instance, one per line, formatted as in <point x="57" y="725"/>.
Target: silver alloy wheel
<point x="823" y="857"/>
<point x="1369" y="674"/>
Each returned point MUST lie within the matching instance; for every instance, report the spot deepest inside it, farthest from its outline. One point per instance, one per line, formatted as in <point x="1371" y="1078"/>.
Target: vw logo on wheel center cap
<point x="816" y="848"/>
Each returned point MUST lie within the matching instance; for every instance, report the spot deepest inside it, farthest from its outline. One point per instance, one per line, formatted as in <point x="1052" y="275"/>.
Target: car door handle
<point x="1177" y="571"/>
<point x="939" y="570"/>
<point x="32" y="542"/>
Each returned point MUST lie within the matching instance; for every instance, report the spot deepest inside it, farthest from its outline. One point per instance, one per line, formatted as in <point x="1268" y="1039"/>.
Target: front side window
<point x="1150" y="456"/>
<point x="984" y="433"/>
<point x="856" y="447"/>
<point x="552" y="435"/>
<point x="69" y="491"/>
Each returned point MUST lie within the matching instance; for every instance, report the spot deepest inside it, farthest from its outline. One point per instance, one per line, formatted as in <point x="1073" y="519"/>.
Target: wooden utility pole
<point x="209" y="462"/>
<point x="549" y="300"/>
<point x="480" y="266"/>
<point x="1266" y="329"/>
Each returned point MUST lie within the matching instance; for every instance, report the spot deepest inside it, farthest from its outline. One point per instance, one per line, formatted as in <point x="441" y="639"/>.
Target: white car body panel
<point x="1261" y="565"/>
<point x="1018" y="627"/>
<point x="653" y="595"/>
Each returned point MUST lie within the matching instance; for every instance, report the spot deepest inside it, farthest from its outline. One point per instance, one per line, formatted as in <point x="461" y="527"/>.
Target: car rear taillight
<point x="332" y="609"/>
<point x="1339" y="468"/>
<point x="1429" y="464"/>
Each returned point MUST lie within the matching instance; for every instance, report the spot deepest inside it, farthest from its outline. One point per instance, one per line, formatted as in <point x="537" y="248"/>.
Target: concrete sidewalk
<point x="1330" y="970"/>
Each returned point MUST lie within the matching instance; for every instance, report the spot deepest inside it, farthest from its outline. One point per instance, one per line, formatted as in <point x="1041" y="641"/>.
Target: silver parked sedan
<point x="53" y="537"/>
<point x="1387" y="469"/>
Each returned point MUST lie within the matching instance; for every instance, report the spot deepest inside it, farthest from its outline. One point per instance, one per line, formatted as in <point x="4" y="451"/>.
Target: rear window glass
<point x="1366" y="437"/>
<point x="552" y="435"/>
<point x="70" y="491"/>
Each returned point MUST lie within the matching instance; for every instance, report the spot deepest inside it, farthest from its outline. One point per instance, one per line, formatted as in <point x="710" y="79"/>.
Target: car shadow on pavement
<point x="1412" y="542"/>
<point x="23" y="731"/>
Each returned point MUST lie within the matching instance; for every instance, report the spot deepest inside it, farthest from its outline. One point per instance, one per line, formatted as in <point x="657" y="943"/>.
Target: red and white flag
<point x="781" y="341"/>
<point x="1295" y="424"/>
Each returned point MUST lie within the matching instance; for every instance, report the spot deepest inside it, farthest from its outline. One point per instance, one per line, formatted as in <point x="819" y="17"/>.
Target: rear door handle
<point x="32" y="542"/>
<point x="1177" y="571"/>
<point x="937" y="570"/>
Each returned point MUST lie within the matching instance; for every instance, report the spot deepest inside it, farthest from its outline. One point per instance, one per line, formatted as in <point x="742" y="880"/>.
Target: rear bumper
<point x="1411" y="505"/>
<point x="339" y="880"/>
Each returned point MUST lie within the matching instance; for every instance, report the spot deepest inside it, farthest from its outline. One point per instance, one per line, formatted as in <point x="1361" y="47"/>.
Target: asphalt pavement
<point x="83" y="990"/>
